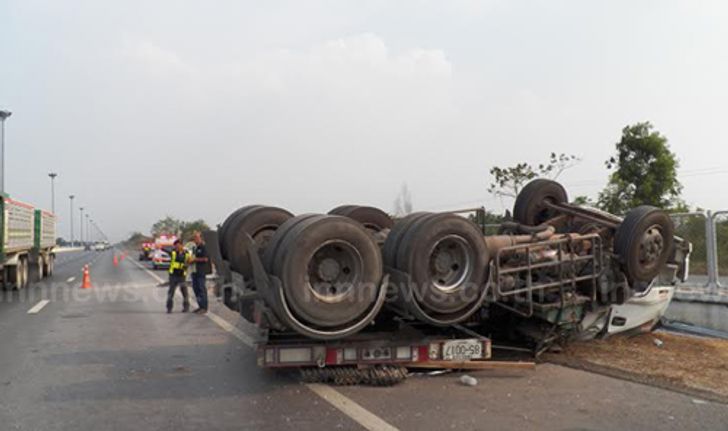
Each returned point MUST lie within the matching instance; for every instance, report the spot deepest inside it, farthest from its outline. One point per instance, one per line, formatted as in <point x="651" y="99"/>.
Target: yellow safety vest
<point x="174" y="264"/>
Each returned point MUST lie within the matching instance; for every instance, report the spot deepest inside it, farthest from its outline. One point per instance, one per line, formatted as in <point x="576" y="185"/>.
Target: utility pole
<point x="53" y="176"/>
<point x="71" y="218"/>
<point x="81" y="228"/>
<point x="3" y="116"/>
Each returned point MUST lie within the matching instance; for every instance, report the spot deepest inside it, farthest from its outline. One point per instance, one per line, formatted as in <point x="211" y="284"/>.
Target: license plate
<point x="462" y="350"/>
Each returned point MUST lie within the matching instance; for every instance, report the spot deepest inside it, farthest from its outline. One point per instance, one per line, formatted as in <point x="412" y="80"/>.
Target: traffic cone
<point x="86" y="278"/>
<point x="116" y="260"/>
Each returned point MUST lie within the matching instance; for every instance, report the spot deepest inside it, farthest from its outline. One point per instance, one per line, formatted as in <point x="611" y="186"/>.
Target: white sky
<point x="148" y="108"/>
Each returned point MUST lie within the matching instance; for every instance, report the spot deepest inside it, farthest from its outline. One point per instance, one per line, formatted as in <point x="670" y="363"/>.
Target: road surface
<point x="111" y="358"/>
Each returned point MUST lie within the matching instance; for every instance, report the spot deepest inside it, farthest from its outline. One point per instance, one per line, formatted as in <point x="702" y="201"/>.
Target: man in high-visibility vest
<point x="179" y="261"/>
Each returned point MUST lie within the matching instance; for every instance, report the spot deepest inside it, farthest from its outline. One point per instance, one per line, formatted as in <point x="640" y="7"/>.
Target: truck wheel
<point x="22" y="277"/>
<point x="226" y="225"/>
<point x="446" y="257"/>
<point x="51" y="265"/>
<point x="529" y="208"/>
<point x="391" y="245"/>
<point x="373" y="219"/>
<point x="36" y="270"/>
<point x="11" y="277"/>
<point x="341" y="209"/>
<point x="280" y="241"/>
<point x="330" y="270"/>
<point x="260" y="224"/>
<point x="644" y="242"/>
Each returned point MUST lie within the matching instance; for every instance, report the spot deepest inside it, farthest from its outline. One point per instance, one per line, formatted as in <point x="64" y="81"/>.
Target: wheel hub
<point x="450" y="263"/>
<point x="333" y="270"/>
<point x="651" y="246"/>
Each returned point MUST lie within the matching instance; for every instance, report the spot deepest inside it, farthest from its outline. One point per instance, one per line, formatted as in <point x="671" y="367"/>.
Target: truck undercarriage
<point x="356" y="288"/>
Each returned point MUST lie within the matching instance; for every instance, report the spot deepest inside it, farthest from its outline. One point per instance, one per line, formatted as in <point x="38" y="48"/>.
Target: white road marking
<point x="235" y="332"/>
<point x="350" y="408"/>
<point x="151" y="274"/>
<point x="39" y="306"/>
<point x="338" y="400"/>
<point x="70" y="279"/>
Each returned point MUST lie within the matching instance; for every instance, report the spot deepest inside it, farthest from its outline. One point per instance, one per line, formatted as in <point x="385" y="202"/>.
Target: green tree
<point x="188" y="228"/>
<point x="645" y="172"/>
<point x="167" y="225"/>
<point x="136" y="238"/>
<point x="508" y="181"/>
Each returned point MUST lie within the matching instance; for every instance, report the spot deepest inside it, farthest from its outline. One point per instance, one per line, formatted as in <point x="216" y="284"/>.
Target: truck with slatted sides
<point x="27" y="246"/>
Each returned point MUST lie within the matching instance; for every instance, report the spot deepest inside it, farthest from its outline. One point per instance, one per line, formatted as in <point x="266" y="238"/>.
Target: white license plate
<point x="462" y="350"/>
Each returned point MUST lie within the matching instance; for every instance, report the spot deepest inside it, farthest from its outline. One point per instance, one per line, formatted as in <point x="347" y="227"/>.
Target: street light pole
<point x="3" y="116"/>
<point x="71" y="218"/>
<point x="80" y="229"/>
<point x="88" y="236"/>
<point x="53" y="176"/>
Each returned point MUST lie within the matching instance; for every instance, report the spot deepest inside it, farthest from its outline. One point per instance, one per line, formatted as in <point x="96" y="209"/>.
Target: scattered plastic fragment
<point x="468" y="381"/>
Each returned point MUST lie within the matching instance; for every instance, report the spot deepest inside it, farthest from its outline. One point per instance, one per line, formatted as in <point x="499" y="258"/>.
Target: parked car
<point x="161" y="257"/>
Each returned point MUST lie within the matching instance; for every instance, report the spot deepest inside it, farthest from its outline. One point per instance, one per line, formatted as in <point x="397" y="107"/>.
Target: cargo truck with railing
<point x="27" y="246"/>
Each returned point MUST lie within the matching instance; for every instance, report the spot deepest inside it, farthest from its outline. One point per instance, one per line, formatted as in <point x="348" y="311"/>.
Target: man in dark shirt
<point x="179" y="260"/>
<point x="202" y="269"/>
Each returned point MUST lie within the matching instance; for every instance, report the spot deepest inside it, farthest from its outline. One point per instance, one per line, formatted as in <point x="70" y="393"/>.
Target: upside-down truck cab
<point x="26" y="246"/>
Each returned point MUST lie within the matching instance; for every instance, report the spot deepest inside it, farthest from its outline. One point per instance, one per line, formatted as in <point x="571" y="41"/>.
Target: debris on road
<point x="467" y="380"/>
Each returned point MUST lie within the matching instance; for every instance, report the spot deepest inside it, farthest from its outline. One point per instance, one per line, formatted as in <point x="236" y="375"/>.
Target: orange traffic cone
<point x="86" y="278"/>
<point x="116" y="260"/>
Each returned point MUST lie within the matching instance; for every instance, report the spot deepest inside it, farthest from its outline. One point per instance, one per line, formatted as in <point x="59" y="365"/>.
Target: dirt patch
<point x="698" y="366"/>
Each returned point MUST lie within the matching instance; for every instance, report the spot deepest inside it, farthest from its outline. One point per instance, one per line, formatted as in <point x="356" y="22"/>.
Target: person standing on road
<point x="180" y="259"/>
<point x="202" y="269"/>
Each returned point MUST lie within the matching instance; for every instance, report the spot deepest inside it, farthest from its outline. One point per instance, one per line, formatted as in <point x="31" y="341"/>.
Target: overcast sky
<point x="148" y="108"/>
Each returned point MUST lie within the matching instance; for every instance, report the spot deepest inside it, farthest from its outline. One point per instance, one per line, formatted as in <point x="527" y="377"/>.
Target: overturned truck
<point x="356" y="286"/>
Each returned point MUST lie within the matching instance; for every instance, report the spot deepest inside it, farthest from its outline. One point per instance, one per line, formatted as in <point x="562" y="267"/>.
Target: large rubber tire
<point x="374" y="219"/>
<point x="258" y="223"/>
<point x="44" y="265"/>
<point x="341" y="209"/>
<point x="447" y="260"/>
<point x="51" y="265"/>
<point x="36" y="271"/>
<point x="644" y="242"/>
<point x="333" y="307"/>
<point x="21" y="281"/>
<point x="281" y="240"/>
<point x="11" y="277"/>
<point x="529" y="208"/>
<point x="391" y="245"/>
<point x="221" y="235"/>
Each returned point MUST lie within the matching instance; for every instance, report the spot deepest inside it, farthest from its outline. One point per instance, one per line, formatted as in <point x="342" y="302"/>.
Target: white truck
<point x="28" y="239"/>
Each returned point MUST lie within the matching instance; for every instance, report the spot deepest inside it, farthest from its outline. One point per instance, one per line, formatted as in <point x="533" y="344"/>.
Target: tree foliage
<point x="645" y="172"/>
<point x="183" y="229"/>
<point x="166" y="226"/>
<point x="136" y="238"/>
<point x="187" y="229"/>
<point x="508" y="181"/>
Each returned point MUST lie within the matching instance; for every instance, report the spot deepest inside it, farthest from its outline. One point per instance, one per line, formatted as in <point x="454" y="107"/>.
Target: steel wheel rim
<point x="651" y="246"/>
<point x="334" y="268"/>
<point x="450" y="263"/>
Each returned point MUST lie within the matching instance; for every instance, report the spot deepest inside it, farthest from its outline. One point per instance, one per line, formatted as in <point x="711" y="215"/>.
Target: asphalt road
<point x="111" y="358"/>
